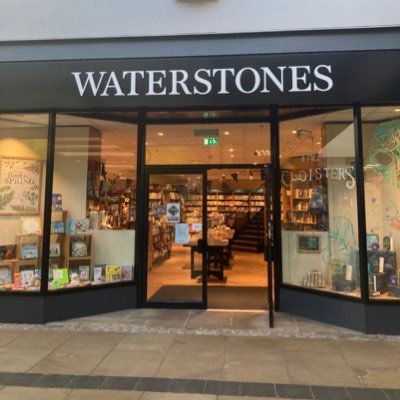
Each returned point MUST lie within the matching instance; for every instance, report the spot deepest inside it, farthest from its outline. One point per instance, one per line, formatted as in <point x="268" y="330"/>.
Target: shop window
<point x="381" y="150"/>
<point x="319" y="203"/>
<point x="23" y="150"/>
<point x="92" y="239"/>
<point x="208" y="144"/>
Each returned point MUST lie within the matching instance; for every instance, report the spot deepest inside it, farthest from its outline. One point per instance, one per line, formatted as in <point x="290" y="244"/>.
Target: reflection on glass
<point x="175" y="261"/>
<point x="381" y="141"/>
<point x="94" y="203"/>
<point x="319" y="204"/>
<point x="23" y="150"/>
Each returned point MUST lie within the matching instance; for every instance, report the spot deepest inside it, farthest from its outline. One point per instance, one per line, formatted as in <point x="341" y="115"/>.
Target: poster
<point x="182" y="233"/>
<point x="20" y="186"/>
<point x="173" y="212"/>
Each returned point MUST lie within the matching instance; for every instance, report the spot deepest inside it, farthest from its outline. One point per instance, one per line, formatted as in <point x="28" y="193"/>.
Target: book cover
<point x="55" y="249"/>
<point x="26" y="277"/>
<point x="17" y="281"/>
<point x="113" y="273"/>
<point x="56" y="204"/>
<point x="84" y="271"/>
<point x="99" y="274"/>
<point x="60" y="277"/>
<point x="31" y="226"/>
<point x="126" y="273"/>
<point x="79" y="225"/>
<point x="29" y="251"/>
<point x="5" y="276"/>
<point x="57" y="227"/>
<point x="8" y="252"/>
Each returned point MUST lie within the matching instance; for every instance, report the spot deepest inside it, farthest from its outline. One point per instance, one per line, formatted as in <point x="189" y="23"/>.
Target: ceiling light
<point x="147" y="143"/>
<point x="230" y="150"/>
<point x="232" y="155"/>
<point x="319" y="142"/>
<point x="294" y="132"/>
<point x="160" y="134"/>
<point x="396" y="110"/>
<point x="227" y="133"/>
<point x="280" y="156"/>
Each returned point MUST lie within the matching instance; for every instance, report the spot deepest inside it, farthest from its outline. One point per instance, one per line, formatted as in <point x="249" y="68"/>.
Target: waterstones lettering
<point x="204" y="81"/>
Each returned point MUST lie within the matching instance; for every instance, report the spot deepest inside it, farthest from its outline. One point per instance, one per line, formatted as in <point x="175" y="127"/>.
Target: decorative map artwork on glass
<point x="20" y="186"/>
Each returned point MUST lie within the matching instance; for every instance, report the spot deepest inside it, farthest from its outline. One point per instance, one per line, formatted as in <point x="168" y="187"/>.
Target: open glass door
<point x="175" y="247"/>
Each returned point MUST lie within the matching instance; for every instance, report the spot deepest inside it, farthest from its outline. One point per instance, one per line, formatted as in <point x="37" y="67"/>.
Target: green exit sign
<point x="211" y="141"/>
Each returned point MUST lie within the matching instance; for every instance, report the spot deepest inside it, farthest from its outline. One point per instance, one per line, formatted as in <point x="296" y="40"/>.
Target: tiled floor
<point x="229" y="352"/>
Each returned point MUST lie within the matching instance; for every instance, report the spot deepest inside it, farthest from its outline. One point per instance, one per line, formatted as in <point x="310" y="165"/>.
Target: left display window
<point x="92" y="234"/>
<point x="23" y="151"/>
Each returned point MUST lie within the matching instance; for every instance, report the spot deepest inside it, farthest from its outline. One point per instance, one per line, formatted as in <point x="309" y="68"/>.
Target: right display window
<point x="319" y="201"/>
<point x="381" y="153"/>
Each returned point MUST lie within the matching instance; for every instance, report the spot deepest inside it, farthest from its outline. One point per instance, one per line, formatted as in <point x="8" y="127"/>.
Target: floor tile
<point x="87" y="394"/>
<point x="209" y="319"/>
<point x="52" y="380"/>
<point x="187" y="386"/>
<point x="316" y="368"/>
<point x="153" y="384"/>
<point x="20" y="379"/>
<point x="130" y="363"/>
<point x="119" y="383"/>
<point x="25" y="393"/>
<point x="222" y="388"/>
<point x="386" y="377"/>
<point x="63" y="363"/>
<point x="195" y="357"/>
<point x="371" y="358"/>
<point x="91" y="343"/>
<point x="257" y="389"/>
<point x="20" y="360"/>
<point x="86" y="382"/>
<point x="294" y="391"/>
<point x="330" y="393"/>
<point x="366" y="394"/>
<point x="46" y="340"/>
<point x="145" y="341"/>
<point x="392" y="394"/>
<point x="8" y="336"/>
<point x="177" y="396"/>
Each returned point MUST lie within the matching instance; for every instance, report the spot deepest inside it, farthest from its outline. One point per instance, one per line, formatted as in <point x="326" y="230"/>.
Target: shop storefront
<point x="142" y="182"/>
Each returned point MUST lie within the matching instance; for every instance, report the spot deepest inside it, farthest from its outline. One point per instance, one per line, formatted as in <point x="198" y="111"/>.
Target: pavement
<point x="162" y="354"/>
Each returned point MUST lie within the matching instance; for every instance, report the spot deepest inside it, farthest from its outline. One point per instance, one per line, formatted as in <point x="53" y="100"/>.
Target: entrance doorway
<point x="206" y="237"/>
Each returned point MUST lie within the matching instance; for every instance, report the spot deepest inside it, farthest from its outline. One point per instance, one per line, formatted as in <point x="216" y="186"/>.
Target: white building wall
<point x="73" y="19"/>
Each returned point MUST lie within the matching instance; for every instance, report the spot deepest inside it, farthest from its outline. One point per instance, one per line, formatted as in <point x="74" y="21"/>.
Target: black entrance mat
<point x="225" y="297"/>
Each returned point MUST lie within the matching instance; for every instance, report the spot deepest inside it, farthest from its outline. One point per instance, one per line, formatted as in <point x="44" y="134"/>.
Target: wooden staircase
<point x="249" y="238"/>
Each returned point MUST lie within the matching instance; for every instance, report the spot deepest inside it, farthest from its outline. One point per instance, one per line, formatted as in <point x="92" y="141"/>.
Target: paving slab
<point x="24" y="393"/>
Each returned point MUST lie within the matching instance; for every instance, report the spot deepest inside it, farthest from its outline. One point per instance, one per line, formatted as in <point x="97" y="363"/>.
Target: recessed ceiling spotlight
<point x="232" y="155"/>
<point x="160" y="133"/>
<point x="254" y="163"/>
<point x="280" y="155"/>
<point x="319" y="142"/>
<point x="231" y="150"/>
<point x="227" y="133"/>
<point x="147" y="143"/>
<point x="396" y="110"/>
<point x="294" y="131"/>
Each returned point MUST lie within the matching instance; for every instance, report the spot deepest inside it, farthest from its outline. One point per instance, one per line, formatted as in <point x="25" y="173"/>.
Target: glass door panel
<point x="175" y="232"/>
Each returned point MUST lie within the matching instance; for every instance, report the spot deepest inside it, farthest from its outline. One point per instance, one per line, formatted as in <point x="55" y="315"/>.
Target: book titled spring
<point x="113" y="273"/>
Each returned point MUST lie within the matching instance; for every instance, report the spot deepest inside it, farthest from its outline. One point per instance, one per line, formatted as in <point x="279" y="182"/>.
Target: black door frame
<point x="143" y="223"/>
<point x="173" y="170"/>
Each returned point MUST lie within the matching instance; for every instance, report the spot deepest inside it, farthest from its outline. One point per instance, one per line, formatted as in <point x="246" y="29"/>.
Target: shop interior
<point x="94" y="219"/>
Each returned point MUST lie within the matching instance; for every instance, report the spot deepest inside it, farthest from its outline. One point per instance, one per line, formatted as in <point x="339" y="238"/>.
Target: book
<point x="29" y="251"/>
<point x="99" y="274"/>
<point x="84" y="272"/>
<point x="79" y="225"/>
<point x="57" y="227"/>
<point x="56" y="203"/>
<point x="60" y="277"/>
<point x="55" y="249"/>
<point x="8" y="252"/>
<point x="26" y="277"/>
<point x="78" y="248"/>
<point x="126" y="273"/>
<point x="18" y="281"/>
<point x="113" y="273"/>
<point x="31" y="226"/>
<point x="5" y="276"/>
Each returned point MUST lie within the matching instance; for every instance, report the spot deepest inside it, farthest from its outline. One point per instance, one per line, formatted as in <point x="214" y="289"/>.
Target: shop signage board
<point x="258" y="80"/>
